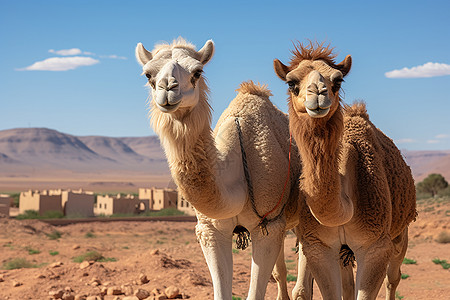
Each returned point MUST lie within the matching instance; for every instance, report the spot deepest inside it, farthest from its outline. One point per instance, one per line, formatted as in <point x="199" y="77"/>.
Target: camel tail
<point x="357" y="109"/>
<point x="249" y="87"/>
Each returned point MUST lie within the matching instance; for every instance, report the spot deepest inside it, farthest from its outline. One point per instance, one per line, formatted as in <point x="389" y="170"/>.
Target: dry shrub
<point x="443" y="237"/>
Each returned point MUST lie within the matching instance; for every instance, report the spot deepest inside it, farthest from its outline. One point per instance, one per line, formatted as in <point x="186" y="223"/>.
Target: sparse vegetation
<point x="404" y="276"/>
<point x="443" y="263"/>
<point x="164" y="212"/>
<point x="32" y="251"/>
<point x="53" y="253"/>
<point x="92" y="256"/>
<point x="236" y="298"/>
<point x="16" y="199"/>
<point x="17" y="263"/>
<point x="55" y="235"/>
<point x="408" y="261"/>
<point x="291" y="277"/>
<point x="33" y="214"/>
<point x="89" y="235"/>
<point x="235" y="251"/>
<point x="443" y="237"/>
<point x="397" y="295"/>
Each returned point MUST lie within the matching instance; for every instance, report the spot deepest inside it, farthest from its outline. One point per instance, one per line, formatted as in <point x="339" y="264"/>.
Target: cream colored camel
<point x="207" y="166"/>
<point x="359" y="191"/>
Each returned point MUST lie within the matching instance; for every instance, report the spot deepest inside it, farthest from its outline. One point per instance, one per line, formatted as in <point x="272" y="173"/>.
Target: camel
<point x="359" y="192"/>
<point x="207" y="165"/>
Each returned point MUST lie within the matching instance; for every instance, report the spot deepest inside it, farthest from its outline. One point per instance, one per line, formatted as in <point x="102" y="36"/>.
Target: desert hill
<point x="423" y="163"/>
<point x="42" y="156"/>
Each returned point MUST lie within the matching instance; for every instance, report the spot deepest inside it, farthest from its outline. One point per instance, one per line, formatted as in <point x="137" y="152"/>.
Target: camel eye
<point x="148" y="76"/>
<point x="337" y="84"/>
<point x="197" y="74"/>
<point x="291" y="85"/>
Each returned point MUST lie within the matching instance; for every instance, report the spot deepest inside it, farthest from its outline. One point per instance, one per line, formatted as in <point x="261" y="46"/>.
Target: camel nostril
<point x="172" y="86"/>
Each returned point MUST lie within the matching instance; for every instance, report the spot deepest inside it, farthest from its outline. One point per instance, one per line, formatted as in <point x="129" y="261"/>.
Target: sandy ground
<point x="178" y="260"/>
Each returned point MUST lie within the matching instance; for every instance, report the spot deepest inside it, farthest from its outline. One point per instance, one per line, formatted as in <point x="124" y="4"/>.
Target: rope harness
<point x="243" y="234"/>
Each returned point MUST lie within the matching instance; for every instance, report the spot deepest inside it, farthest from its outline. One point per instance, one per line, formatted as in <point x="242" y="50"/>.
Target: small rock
<point x="85" y="274"/>
<point x="40" y="276"/>
<point x="2" y="278"/>
<point x="172" y="292"/>
<point x="130" y="298"/>
<point x="16" y="283"/>
<point x="142" y="294"/>
<point x="143" y="278"/>
<point x="68" y="289"/>
<point x="154" y="252"/>
<point x="56" y="294"/>
<point x="94" y="298"/>
<point x="68" y="296"/>
<point x="80" y="297"/>
<point x="56" y="264"/>
<point x="114" y="291"/>
<point x="156" y="291"/>
<point x="103" y="291"/>
<point x="111" y="297"/>
<point x="127" y="290"/>
<point x="84" y="264"/>
<point x="95" y="283"/>
<point x="75" y="247"/>
<point x="160" y="297"/>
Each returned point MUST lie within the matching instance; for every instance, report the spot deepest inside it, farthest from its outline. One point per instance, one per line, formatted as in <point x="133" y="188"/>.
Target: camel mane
<point x="312" y="51"/>
<point x="176" y="43"/>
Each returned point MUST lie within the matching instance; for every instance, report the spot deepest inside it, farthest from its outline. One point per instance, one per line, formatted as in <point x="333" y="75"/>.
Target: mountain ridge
<point x="44" y="149"/>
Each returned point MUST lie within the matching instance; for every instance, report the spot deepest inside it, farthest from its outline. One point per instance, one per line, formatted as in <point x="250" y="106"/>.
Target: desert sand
<point x="169" y="255"/>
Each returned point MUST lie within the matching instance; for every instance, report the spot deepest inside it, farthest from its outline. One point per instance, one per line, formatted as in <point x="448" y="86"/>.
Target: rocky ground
<point x="162" y="260"/>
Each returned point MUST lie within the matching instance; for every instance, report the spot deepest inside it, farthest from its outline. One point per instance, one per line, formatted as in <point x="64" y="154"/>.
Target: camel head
<point x="314" y="80"/>
<point x="174" y="73"/>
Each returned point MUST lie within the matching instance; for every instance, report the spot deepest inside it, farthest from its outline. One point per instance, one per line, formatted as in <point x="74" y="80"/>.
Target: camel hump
<point x="357" y="109"/>
<point x="249" y="87"/>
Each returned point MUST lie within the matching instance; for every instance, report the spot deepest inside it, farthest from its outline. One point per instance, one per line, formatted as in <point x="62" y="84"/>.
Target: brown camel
<point x="358" y="189"/>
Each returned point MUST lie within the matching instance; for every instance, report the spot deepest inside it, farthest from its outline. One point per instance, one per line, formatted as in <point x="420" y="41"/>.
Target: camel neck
<point x="192" y="155"/>
<point x="319" y="142"/>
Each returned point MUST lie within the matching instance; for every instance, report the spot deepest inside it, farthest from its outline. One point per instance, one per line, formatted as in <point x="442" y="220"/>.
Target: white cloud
<point x="405" y="141"/>
<point x="427" y="70"/>
<point x="61" y="63"/>
<point x="70" y="52"/>
<point x="113" y="56"/>
<point x="66" y="52"/>
<point x="433" y="142"/>
<point x="442" y="136"/>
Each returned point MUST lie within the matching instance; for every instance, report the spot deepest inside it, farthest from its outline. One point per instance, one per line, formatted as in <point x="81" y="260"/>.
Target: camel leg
<point x="348" y="282"/>
<point x="323" y="262"/>
<point x="280" y="275"/>
<point x="217" y="249"/>
<point x="372" y="261"/>
<point x="303" y="289"/>
<point x="393" y="271"/>
<point x="265" y="251"/>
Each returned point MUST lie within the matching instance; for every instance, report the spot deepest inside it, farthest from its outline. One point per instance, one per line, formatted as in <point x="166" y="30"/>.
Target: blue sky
<point x="104" y="94"/>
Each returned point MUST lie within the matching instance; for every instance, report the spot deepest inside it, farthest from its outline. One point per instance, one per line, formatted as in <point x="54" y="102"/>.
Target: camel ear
<point x="207" y="52"/>
<point x="280" y="69"/>
<point x="142" y="55"/>
<point x="345" y="65"/>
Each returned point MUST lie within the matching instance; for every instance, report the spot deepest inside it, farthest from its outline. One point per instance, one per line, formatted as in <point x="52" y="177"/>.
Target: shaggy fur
<point x="358" y="189"/>
<point x="207" y="168"/>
